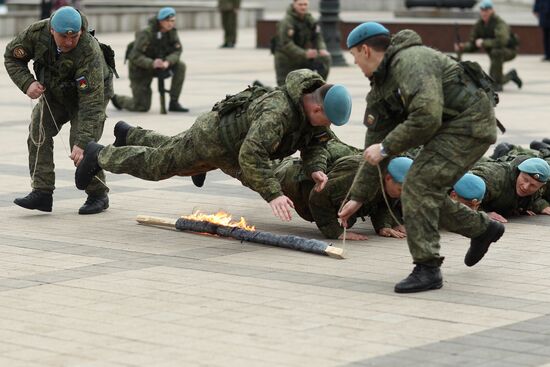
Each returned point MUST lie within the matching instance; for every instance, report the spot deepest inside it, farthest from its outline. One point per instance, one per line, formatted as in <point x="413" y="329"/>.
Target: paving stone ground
<point x="103" y="291"/>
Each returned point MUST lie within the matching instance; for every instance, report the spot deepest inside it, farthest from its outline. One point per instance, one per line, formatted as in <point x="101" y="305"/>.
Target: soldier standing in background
<point x="299" y="43"/>
<point x="75" y="83"/>
<point x="229" y="10"/>
<point x="542" y="12"/>
<point x="155" y="52"/>
<point x="420" y="96"/>
<point x="493" y="35"/>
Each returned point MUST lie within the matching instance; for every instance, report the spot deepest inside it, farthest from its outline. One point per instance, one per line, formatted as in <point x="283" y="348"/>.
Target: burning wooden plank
<point x="203" y="223"/>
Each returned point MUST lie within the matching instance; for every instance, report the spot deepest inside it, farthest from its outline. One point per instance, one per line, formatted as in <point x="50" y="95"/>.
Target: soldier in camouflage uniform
<point x="512" y="189"/>
<point x="75" y="84"/>
<point x="421" y="96"/>
<point x="299" y="43"/>
<point x="228" y="10"/>
<point x="321" y="206"/>
<point x="239" y="136"/>
<point x="155" y="52"/>
<point x="493" y="35"/>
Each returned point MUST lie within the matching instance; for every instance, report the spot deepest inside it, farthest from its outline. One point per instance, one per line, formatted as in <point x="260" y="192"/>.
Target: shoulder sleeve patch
<point x="19" y="52"/>
<point x="82" y="83"/>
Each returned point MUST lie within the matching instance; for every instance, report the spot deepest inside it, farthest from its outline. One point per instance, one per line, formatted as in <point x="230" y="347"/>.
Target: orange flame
<point x="221" y="218"/>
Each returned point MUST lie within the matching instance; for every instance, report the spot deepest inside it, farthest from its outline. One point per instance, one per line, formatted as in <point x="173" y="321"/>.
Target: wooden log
<point x="266" y="238"/>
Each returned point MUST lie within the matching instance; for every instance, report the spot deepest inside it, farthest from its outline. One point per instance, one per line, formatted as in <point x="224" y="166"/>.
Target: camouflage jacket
<point x="500" y="195"/>
<point x="275" y="126"/>
<point x="80" y="79"/>
<point x="151" y="43"/>
<point x="295" y="35"/>
<point x="495" y="34"/>
<point x="417" y="93"/>
<point x="226" y="5"/>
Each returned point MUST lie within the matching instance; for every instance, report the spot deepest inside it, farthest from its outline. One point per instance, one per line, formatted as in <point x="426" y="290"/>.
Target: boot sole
<point x="47" y="210"/>
<point x="88" y="213"/>
<point x="416" y="290"/>
<point x="498" y="234"/>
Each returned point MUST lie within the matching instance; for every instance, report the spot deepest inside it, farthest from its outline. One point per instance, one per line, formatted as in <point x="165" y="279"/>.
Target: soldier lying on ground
<point x="240" y="136"/>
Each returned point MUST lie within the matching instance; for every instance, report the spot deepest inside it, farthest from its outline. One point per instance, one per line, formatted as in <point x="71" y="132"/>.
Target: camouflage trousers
<point x="283" y="66"/>
<point x="425" y="199"/>
<point x="498" y="56"/>
<point x="229" y="23"/>
<point x="295" y="184"/>
<point x="41" y="163"/>
<point x="153" y="156"/>
<point x="140" y="83"/>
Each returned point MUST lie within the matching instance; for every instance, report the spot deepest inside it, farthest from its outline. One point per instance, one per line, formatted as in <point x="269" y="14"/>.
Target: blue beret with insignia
<point x="486" y="4"/>
<point x="470" y="187"/>
<point x="536" y="168"/>
<point x="337" y="104"/>
<point x="365" y="31"/>
<point x="166" y="12"/>
<point x="66" y="20"/>
<point x="399" y="167"/>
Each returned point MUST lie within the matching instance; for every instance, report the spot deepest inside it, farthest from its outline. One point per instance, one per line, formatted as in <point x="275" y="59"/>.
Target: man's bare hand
<point x="372" y="154"/>
<point x="347" y="211"/>
<point x="158" y="64"/>
<point x="352" y="236"/>
<point x="281" y="207"/>
<point x="35" y="90"/>
<point x="459" y="46"/>
<point x="497" y="217"/>
<point x="320" y="179"/>
<point x="76" y="155"/>
<point x="324" y="53"/>
<point x="545" y="211"/>
<point x="390" y="232"/>
<point x="479" y="43"/>
<point x="311" y="53"/>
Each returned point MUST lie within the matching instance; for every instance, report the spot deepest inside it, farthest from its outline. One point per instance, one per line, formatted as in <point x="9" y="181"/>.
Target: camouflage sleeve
<point x="174" y="57"/>
<point x="324" y="208"/>
<point x="382" y="218"/>
<point x="286" y="44"/>
<point x="421" y="93"/>
<point x="89" y="77"/>
<point x="502" y="36"/>
<point x="263" y="138"/>
<point x="137" y="55"/>
<point x="539" y="204"/>
<point x="236" y="4"/>
<point x="366" y="178"/>
<point x="470" y="46"/>
<point x="494" y="175"/>
<point x="16" y="58"/>
<point x="315" y="155"/>
<point x="320" y="41"/>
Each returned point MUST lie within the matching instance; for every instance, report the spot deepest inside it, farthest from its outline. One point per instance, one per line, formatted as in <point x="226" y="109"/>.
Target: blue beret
<point x="337" y="104"/>
<point x="365" y="31"/>
<point x="470" y="187"/>
<point x="66" y="20"/>
<point x="166" y="12"/>
<point x="536" y="168"/>
<point x="398" y="168"/>
<point x="486" y="4"/>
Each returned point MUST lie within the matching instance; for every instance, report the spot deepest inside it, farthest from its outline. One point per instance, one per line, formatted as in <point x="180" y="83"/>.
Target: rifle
<point x="161" y="75"/>
<point x="458" y="41"/>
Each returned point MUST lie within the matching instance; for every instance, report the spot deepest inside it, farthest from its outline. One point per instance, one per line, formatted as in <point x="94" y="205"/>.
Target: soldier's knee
<point x="496" y="53"/>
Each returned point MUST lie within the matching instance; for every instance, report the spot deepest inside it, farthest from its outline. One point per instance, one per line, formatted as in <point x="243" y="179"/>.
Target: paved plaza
<point x="104" y="291"/>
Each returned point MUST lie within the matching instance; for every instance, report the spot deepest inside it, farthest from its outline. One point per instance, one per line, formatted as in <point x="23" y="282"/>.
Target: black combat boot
<point x="121" y="132"/>
<point x="176" y="107"/>
<point x="480" y="244"/>
<point x="88" y="167"/>
<point x="501" y="150"/>
<point x="115" y="103"/>
<point x="39" y="200"/>
<point x="94" y="204"/>
<point x="513" y="75"/>
<point x="423" y="278"/>
<point x="198" y="180"/>
<point x="539" y="145"/>
<point x="546" y="141"/>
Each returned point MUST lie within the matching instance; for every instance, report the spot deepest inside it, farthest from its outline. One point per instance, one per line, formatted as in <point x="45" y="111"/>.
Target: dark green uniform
<point x="499" y="43"/>
<point x="78" y="86"/>
<point x="294" y="36"/>
<point x="500" y="195"/>
<point x="228" y="10"/>
<point x="241" y="141"/>
<point x="151" y="44"/>
<point x="420" y="96"/>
